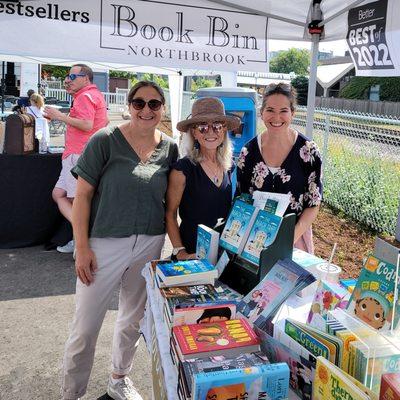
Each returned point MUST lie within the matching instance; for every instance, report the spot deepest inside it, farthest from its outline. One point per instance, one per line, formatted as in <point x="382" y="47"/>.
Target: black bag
<point x="20" y="134"/>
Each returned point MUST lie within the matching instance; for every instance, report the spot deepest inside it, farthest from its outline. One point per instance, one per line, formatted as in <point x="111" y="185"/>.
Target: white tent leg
<point x="175" y="94"/>
<point x="228" y="79"/>
<point x="312" y="83"/>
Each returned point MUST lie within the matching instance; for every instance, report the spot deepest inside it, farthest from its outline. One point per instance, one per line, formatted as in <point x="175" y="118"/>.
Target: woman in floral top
<point x="282" y="160"/>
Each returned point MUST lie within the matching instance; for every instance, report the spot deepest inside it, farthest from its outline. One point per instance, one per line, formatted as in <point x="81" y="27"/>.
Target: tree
<point x="55" y="70"/>
<point x="300" y="83"/>
<point x="292" y="60"/>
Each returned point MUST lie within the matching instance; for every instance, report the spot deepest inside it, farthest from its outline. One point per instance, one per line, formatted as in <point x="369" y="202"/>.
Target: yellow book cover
<point x="331" y="383"/>
<point x="347" y="337"/>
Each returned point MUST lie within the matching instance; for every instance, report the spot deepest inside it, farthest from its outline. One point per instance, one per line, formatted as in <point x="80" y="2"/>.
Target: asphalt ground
<point x="36" y="307"/>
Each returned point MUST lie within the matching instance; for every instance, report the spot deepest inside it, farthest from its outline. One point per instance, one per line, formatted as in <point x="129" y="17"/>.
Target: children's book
<point x="205" y="292"/>
<point x="390" y="387"/>
<point x="374" y="300"/>
<point x="203" y="314"/>
<point x="268" y="381"/>
<point x="262" y="235"/>
<point x="275" y="203"/>
<point x="333" y="383"/>
<point x="349" y="284"/>
<point x="284" y="279"/>
<point x="219" y="363"/>
<point x="186" y="272"/>
<point x="207" y="244"/>
<point x="302" y="370"/>
<point x="238" y="225"/>
<point x="229" y="338"/>
<point x="327" y="297"/>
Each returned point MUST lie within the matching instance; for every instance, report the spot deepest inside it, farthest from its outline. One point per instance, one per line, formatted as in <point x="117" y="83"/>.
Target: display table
<point x="156" y="333"/>
<point x="28" y="214"/>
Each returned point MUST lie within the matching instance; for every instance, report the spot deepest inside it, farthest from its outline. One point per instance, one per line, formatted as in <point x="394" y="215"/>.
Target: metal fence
<point x="361" y="164"/>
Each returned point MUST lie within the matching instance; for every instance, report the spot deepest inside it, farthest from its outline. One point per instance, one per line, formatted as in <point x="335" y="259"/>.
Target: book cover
<point x="207" y="244"/>
<point x="333" y="383"/>
<point x="390" y="387"/>
<point x="262" y="235"/>
<point x="205" y="292"/>
<point x="349" y="284"/>
<point x="284" y="279"/>
<point x="372" y="300"/>
<point x="203" y="314"/>
<point x="275" y="203"/>
<point x="268" y="381"/>
<point x="327" y="297"/>
<point x="238" y="225"/>
<point x="181" y="272"/>
<point x="302" y="369"/>
<point x="228" y="338"/>
<point x="217" y="363"/>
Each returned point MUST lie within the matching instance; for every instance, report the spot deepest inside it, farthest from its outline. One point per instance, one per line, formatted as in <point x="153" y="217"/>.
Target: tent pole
<point x="175" y="83"/>
<point x="2" y="86"/>
<point x="312" y="84"/>
<point x="228" y="79"/>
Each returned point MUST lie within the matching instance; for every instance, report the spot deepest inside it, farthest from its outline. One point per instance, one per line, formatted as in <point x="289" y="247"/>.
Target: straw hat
<point x="208" y="109"/>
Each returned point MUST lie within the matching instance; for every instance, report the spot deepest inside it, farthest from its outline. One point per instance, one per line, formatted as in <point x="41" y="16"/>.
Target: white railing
<point x="116" y="102"/>
<point x="54" y="84"/>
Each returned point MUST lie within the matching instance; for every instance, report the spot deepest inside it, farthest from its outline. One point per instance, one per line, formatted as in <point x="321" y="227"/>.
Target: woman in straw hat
<point x="200" y="183"/>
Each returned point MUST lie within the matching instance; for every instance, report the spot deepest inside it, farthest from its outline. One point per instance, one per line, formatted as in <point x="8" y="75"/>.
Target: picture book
<point x="205" y="292"/>
<point x="237" y="227"/>
<point x="275" y="203"/>
<point x="390" y="387"/>
<point x="219" y="363"/>
<point x="186" y="272"/>
<point x="333" y="383"/>
<point x="207" y="244"/>
<point x="327" y="297"/>
<point x="262" y="235"/>
<point x="284" y="279"/>
<point x="372" y="300"/>
<point x="229" y="338"/>
<point x="304" y="331"/>
<point x="203" y="314"/>
<point x="302" y="370"/>
<point x="268" y="381"/>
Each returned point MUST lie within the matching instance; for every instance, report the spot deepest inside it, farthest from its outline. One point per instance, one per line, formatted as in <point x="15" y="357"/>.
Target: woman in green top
<point x="118" y="223"/>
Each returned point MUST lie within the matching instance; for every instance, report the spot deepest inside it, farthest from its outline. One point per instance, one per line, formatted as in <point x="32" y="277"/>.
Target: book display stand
<point x="243" y="276"/>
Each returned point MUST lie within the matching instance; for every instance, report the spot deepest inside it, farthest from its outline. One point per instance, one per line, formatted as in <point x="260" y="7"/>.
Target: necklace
<point x="214" y="172"/>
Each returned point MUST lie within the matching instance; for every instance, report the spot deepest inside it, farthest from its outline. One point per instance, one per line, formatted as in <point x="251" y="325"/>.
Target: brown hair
<point x="37" y="99"/>
<point x="280" y="88"/>
<point x="141" y="84"/>
<point x="86" y="70"/>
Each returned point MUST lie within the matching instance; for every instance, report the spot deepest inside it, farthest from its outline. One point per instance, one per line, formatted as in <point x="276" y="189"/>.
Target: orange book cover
<point x="228" y="338"/>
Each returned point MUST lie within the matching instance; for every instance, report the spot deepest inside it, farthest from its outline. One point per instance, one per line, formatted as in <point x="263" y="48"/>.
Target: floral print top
<point x="299" y="175"/>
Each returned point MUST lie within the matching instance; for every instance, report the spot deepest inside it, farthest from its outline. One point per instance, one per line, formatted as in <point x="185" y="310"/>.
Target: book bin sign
<point x="368" y="41"/>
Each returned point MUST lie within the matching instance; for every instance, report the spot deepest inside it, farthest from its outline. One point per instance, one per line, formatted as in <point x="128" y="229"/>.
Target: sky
<point x="337" y="46"/>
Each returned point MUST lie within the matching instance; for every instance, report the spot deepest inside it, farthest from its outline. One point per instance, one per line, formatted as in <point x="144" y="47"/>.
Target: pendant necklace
<point x="215" y="178"/>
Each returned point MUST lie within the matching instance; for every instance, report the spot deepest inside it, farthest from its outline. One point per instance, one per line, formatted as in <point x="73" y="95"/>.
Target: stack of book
<point x="207" y="337"/>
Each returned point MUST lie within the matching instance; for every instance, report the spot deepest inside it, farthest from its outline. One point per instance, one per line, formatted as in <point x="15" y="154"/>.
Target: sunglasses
<point x="72" y="77"/>
<point x="204" y="128"/>
<point x="153" y="104"/>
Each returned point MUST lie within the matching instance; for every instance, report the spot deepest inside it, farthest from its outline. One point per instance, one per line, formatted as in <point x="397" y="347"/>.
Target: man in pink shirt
<point x="87" y="115"/>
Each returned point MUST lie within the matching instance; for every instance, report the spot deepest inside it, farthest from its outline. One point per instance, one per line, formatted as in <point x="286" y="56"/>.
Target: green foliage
<point x="199" y="82"/>
<point x="364" y="187"/>
<point x="300" y="83"/>
<point x="122" y="74"/>
<point x="358" y="88"/>
<point x="161" y="80"/>
<point x="292" y="60"/>
<point x="55" y="70"/>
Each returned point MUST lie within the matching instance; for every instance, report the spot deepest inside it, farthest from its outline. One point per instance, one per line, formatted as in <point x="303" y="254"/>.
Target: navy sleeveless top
<point x="202" y="201"/>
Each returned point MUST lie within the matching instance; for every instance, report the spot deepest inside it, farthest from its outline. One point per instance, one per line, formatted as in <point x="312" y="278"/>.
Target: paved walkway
<point x="36" y="307"/>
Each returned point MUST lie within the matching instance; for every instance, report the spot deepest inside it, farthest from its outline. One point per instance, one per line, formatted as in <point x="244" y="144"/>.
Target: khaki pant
<point x="119" y="261"/>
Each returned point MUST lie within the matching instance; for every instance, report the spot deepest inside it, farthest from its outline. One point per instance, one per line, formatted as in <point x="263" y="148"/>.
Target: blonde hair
<point x="224" y="150"/>
<point x="37" y="100"/>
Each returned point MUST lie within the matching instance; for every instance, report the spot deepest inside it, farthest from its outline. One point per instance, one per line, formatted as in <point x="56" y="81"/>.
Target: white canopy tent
<point x="219" y="35"/>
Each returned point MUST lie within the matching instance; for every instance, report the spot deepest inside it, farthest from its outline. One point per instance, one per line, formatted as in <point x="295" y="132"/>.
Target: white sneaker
<point x="123" y="390"/>
<point x="68" y="248"/>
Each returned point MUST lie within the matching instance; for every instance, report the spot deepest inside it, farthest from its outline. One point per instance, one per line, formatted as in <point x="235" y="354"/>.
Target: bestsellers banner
<point x="373" y="37"/>
<point x="136" y="32"/>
